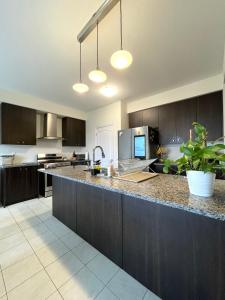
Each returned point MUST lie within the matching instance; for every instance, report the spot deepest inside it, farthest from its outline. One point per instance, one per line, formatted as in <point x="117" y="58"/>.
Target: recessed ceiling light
<point x="108" y="90"/>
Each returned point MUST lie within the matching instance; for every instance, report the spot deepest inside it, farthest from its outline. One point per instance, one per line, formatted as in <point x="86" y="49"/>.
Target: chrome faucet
<point x="102" y="151"/>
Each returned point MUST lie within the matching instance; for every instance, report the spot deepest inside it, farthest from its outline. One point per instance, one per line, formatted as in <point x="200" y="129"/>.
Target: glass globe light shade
<point x="80" y="88"/>
<point x="97" y="76"/>
<point x="108" y="91"/>
<point x="121" y="59"/>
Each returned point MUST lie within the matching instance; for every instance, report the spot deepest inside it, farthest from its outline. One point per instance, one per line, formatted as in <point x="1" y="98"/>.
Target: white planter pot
<point x="200" y="183"/>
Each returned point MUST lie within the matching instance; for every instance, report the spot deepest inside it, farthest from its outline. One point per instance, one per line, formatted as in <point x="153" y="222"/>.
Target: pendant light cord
<point x="80" y="62"/>
<point x="97" y="47"/>
<point x="121" y="27"/>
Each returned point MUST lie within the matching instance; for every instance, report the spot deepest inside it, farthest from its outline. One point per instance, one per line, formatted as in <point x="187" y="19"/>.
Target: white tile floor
<point x="40" y="258"/>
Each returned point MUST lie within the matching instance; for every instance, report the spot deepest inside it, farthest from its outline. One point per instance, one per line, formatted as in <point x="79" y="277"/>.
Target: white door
<point x="105" y="138"/>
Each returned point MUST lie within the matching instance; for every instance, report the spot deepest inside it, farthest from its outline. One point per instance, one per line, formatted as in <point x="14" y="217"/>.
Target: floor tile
<point x="57" y="227"/>
<point x="34" y="231"/>
<point x="42" y="240"/>
<point x="4" y="298"/>
<point x="85" y="252"/>
<point x="126" y="287"/>
<point x="103" y="268"/>
<point x="2" y="286"/>
<point x="151" y="296"/>
<point x="63" y="269"/>
<point x="22" y="270"/>
<point x="11" y="241"/>
<point x="71" y="240"/>
<point x="51" y="252"/>
<point x="45" y="216"/>
<point x="106" y="294"/>
<point x="8" y="230"/>
<point x="15" y="254"/>
<point x="29" y="223"/>
<point x="55" y="296"/>
<point x="37" y="287"/>
<point x="23" y="214"/>
<point x="84" y="285"/>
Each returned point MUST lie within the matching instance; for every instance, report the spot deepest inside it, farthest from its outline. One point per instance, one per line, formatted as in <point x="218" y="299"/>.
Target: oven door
<point x="48" y="182"/>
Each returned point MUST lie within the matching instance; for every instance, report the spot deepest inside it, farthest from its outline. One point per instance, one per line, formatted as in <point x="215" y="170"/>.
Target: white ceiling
<point x="173" y="42"/>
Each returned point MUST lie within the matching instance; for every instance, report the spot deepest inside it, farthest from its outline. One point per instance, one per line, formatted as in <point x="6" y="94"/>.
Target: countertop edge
<point x="212" y="215"/>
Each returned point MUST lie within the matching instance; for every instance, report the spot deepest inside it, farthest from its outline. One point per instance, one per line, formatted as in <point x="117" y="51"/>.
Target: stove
<point x="49" y="161"/>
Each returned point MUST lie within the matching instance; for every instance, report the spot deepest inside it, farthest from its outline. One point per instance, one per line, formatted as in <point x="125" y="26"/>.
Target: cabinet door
<point x="64" y="201"/>
<point x="151" y="117"/>
<point x="28" y="126"/>
<point x="79" y="132"/>
<point x="31" y="184"/>
<point x="167" y="245"/>
<point x="18" y="125"/>
<point x="135" y="119"/>
<point x="11" y="124"/>
<point x="210" y="114"/>
<point x="74" y="132"/>
<point x="13" y="185"/>
<point x="167" y="124"/>
<point x="185" y="112"/>
<point x="99" y="220"/>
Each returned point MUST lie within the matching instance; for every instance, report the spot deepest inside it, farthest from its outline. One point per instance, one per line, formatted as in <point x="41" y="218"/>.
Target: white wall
<point x="29" y="153"/>
<point x="201" y="87"/>
<point x="108" y="115"/>
<point x="40" y="104"/>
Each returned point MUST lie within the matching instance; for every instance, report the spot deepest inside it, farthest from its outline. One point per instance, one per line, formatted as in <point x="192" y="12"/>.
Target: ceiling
<point x="173" y="43"/>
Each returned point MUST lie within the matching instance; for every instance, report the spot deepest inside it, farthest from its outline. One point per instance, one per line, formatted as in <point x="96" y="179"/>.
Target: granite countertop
<point x="28" y="164"/>
<point x="163" y="189"/>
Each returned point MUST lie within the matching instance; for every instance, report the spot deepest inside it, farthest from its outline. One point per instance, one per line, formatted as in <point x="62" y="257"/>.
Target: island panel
<point x="99" y="220"/>
<point x="176" y="254"/>
<point x="64" y="201"/>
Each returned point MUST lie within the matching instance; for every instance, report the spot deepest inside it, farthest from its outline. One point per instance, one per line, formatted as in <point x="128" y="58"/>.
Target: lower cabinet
<point x="18" y="184"/>
<point x="99" y="220"/>
<point x="176" y="254"/>
<point x="64" y="201"/>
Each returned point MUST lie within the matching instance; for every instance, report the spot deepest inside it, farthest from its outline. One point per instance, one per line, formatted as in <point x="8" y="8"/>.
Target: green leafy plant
<point x="197" y="155"/>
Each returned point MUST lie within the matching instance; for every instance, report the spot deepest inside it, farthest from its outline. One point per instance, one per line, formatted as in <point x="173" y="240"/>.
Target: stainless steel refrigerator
<point x="139" y="142"/>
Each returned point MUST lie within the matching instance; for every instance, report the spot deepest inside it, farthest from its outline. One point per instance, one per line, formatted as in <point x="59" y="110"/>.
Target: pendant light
<point x="80" y="87"/>
<point x="97" y="75"/>
<point x="121" y="59"/>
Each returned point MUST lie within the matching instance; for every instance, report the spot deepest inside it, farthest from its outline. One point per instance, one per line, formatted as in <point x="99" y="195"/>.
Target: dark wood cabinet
<point x="167" y="245"/>
<point x="185" y="115"/>
<point x="99" y="220"/>
<point x="210" y="114"/>
<point x="18" y="125"/>
<point x="18" y="184"/>
<point x="167" y="124"/>
<point x="135" y="119"/>
<point x="151" y="117"/>
<point x="174" y="120"/>
<point x="65" y="210"/>
<point x="73" y="132"/>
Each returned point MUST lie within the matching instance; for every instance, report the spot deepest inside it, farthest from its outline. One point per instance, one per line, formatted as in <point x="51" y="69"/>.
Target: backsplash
<point x="29" y="153"/>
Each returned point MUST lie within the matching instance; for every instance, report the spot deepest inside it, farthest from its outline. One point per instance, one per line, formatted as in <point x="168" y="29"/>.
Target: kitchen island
<point x="171" y="242"/>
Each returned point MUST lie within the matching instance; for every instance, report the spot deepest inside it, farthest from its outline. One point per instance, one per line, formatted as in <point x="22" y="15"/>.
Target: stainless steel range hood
<point x="50" y="127"/>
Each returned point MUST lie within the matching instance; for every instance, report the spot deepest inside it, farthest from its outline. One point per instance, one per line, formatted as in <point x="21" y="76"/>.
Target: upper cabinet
<point x="185" y="115"/>
<point x="210" y="114"/>
<point x="18" y="125"/>
<point x="151" y="117"/>
<point x="73" y="132"/>
<point x="136" y="119"/>
<point x="167" y="124"/>
<point x="174" y="120"/>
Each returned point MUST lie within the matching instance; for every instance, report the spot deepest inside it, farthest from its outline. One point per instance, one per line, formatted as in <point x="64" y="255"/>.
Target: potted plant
<point x="200" y="161"/>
